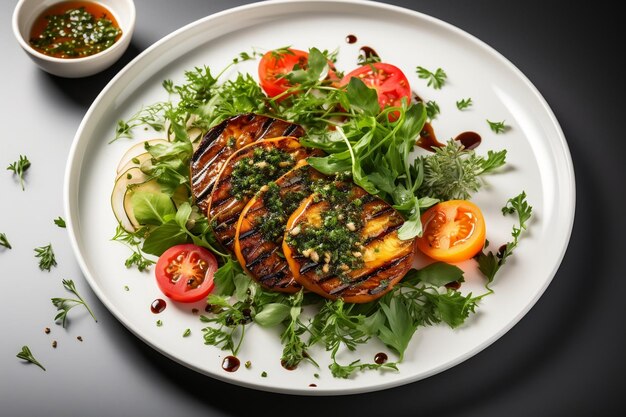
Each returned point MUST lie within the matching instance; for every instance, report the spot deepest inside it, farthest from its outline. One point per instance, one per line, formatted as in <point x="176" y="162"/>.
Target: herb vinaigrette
<point x="74" y="29"/>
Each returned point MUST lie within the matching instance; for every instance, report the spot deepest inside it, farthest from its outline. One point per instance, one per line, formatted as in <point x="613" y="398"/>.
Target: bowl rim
<point x="66" y="61"/>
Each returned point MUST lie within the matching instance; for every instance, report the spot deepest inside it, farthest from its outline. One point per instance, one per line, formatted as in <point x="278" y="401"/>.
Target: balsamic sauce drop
<point x="230" y="364"/>
<point x="351" y="39"/>
<point x="380" y="358"/>
<point x="158" y="306"/>
<point x="367" y="53"/>
<point x="469" y="140"/>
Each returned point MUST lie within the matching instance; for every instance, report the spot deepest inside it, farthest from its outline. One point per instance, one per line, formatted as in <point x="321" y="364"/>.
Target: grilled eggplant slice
<point x="245" y="173"/>
<point x="343" y="243"/>
<point x="261" y="226"/>
<point x="221" y="141"/>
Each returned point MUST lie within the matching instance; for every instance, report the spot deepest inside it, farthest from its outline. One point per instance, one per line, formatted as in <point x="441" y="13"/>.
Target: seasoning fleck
<point x="54" y="344"/>
<point x="46" y="330"/>
<point x="79" y="338"/>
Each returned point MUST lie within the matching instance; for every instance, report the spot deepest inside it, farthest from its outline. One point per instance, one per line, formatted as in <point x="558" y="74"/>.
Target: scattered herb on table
<point x="4" y="241"/>
<point x="435" y="79"/>
<point x="27" y="355"/>
<point x="19" y="168"/>
<point x="64" y="305"/>
<point x="46" y="257"/>
<point x="464" y="103"/>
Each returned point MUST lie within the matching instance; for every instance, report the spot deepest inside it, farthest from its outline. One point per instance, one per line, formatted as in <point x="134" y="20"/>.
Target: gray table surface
<point x="564" y="358"/>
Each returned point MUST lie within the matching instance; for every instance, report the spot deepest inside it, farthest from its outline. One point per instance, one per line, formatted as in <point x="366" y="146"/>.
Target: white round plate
<point x="538" y="163"/>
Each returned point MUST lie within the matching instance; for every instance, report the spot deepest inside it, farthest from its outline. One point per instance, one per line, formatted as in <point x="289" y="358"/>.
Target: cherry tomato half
<point x="185" y="272"/>
<point x="275" y="64"/>
<point x="388" y="80"/>
<point x="453" y="231"/>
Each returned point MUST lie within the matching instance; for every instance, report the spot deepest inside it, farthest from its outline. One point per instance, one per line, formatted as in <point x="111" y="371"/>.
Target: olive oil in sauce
<point x="74" y="29"/>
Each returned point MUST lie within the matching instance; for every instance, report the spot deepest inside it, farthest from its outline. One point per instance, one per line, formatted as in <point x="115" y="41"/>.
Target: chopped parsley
<point x="251" y="173"/>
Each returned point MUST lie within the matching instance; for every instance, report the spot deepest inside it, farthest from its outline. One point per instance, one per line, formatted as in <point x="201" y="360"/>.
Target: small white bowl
<point x="27" y="11"/>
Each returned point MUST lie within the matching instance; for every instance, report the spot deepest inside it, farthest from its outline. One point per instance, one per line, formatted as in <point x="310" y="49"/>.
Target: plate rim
<point x="72" y="184"/>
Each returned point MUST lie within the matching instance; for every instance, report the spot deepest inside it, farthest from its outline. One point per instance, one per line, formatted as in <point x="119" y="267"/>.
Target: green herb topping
<point x="251" y="173"/>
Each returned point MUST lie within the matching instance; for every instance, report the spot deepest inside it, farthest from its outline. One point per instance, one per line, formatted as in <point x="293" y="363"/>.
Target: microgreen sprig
<point x="19" y="168"/>
<point x="64" y="305"/>
<point x="46" y="257"/>
<point x="27" y="355"/>
<point x="435" y="79"/>
<point x="4" y="241"/>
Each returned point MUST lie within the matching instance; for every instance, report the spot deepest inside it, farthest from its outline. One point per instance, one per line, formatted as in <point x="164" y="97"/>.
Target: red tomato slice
<point x="184" y="273"/>
<point x="274" y="65"/>
<point x="388" y="80"/>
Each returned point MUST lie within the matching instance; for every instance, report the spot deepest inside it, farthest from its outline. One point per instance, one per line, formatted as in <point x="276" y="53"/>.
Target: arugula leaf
<point x="164" y="237"/>
<point x="399" y="328"/>
<point x="362" y="98"/>
<point x="272" y="314"/>
<point x="152" y="208"/>
<point x="224" y="277"/>
<point x="437" y="274"/>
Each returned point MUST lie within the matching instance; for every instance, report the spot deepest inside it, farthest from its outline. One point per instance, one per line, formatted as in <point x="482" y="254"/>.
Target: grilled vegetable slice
<point x="221" y="141"/>
<point x="343" y="243"/>
<point x="244" y="173"/>
<point x="261" y="226"/>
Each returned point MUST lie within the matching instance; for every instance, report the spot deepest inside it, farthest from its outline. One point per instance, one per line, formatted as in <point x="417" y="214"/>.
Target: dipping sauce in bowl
<point x="74" y="29"/>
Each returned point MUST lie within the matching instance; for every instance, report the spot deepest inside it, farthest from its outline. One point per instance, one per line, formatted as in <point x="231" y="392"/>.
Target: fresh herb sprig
<point x="454" y="172"/>
<point x="497" y="127"/>
<point x="464" y="103"/>
<point x="489" y="263"/>
<point x="59" y="221"/>
<point x="46" y="257"/>
<point x="64" y="305"/>
<point x="27" y="355"/>
<point x="4" y="241"/>
<point x="19" y="168"/>
<point x="435" y="79"/>
<point x="134" y="242"/>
